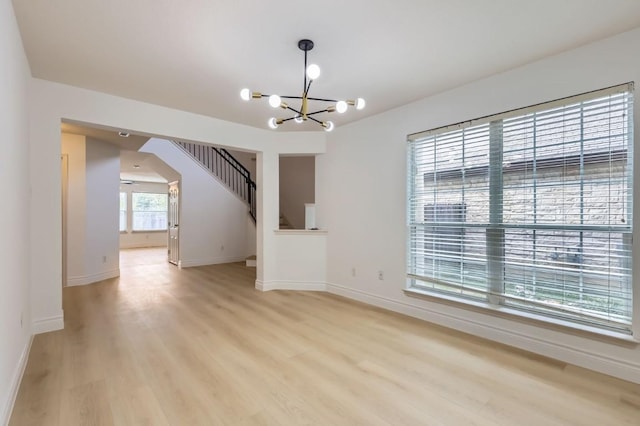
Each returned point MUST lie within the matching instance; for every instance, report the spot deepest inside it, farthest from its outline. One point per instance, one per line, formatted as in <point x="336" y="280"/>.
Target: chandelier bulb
<point x="245" y="94"/>
<point x="274" y="101"/>
<point x="298" y="119"/>
<point x="313" y="71"/>
<point x="360" y="103"/>
<point x="273" y="123"/>
<point x="341" y="107"/>
<point x="328" y="125"/>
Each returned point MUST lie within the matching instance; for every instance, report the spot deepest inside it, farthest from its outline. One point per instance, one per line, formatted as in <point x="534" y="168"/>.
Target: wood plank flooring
<point x="200" y="346"/>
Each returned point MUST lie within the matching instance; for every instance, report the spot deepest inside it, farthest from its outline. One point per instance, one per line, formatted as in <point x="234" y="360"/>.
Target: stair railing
<point x="224" y="166"/>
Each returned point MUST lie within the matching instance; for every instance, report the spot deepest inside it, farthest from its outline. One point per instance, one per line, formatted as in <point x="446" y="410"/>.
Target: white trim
<point x="291" y="285"/>
<point x="210" y="261"/>
<point x="144" y="244"/>
<point x="15" y="382"/>
<point x="44" y="325"/>
<point x="299" y="232"/>
<point x="489" y="330"/>
<point x="93" y="278"/>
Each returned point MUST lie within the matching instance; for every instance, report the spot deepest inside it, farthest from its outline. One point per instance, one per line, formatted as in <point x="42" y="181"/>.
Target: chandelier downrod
<point x="302" y="114"/>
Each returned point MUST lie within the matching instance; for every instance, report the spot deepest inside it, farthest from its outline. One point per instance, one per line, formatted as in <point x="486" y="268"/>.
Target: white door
<point x="174" y="223"/>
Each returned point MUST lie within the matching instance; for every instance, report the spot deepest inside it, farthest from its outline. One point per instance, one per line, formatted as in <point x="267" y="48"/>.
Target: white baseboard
<point x="291" y="285"/>
<point x="209" y="261"/>
<point x="45" y="325"/>
<point x="498" y="330"/>
<point x="142" y="245"/>
<point x="93" y="278"/>
<point x="15" y="382"/>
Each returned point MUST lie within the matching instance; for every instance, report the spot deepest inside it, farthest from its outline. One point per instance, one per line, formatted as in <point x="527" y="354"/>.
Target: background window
<point x="149" y="211"/>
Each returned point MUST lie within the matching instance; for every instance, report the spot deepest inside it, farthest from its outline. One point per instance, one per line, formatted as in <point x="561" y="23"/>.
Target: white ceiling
<point x="130" y="143"/>
<point x="139" y="167"/>
<point x="196" y="55"/>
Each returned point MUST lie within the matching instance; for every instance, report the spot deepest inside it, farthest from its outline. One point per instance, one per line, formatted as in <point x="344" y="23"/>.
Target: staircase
<point x="221" y="164"/>
<point x="284" y="223"/>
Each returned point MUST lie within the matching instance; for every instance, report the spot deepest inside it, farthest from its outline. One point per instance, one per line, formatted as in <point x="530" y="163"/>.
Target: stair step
<point x="284" y="223"/>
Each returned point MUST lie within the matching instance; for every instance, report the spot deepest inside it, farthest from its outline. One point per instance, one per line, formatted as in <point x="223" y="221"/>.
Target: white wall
<point x="131" y="239"/>
<point x="297" y="187"/>
<point x="92" y="209"/>
<point x="15" y="314"/>
<point x="213" y="221"/>
<point x="248" y="160"/>
<point x="102" y="245"/>
<point x="362" y="203"/>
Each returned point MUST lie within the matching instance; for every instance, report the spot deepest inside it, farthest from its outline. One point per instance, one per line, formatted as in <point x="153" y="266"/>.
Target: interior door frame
<point x="64" y="181"/>
<point x="173" y="252"/>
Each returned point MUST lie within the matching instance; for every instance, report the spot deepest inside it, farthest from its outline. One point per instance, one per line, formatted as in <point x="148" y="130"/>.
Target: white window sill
<point x="155" y="231"/>
<point x="529" y="318"/>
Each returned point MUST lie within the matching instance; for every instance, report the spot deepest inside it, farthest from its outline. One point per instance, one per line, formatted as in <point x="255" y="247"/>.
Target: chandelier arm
<point x="323" y="100"/>
<point x="320" y="111"/>
<point x="262" y="95"/>
<point x="294" y="110"/>
<point x="313" y="119"/>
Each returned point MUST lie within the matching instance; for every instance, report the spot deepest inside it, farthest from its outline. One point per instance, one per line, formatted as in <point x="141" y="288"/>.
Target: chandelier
<point x="302" y="114"/>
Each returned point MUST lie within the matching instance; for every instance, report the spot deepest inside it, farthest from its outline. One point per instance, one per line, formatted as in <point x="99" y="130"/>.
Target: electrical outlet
<point x="380" y="275"/>
<point x="353" y="271"/>
<point x="104" y="259"/>
<point x="222" y="248"/>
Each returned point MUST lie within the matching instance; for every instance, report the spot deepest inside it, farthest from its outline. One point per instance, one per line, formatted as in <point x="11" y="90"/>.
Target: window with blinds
<point x="530" y="209"/>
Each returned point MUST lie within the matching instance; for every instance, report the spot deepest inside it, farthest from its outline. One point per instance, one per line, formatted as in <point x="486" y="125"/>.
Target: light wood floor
<point x="163" y="346"/>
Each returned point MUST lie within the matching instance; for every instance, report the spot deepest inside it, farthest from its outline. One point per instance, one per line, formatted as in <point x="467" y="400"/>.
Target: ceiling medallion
<point x="302" y="114"/>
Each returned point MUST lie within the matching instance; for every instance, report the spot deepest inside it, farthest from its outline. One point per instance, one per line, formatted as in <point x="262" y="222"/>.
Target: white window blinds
<point x="530" y="209"/>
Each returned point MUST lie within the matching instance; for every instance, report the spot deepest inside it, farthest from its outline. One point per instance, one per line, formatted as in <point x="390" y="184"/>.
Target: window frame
<point x="496" y="306"/>
<point x="125" y="211"/>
